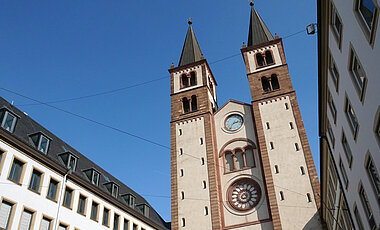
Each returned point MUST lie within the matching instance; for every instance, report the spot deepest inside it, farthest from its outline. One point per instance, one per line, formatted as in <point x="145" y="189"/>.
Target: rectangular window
<point x="134" y="226"/>
<point x="347" y="149"/>
<point x="94" y="211"/>
<point x="331" y="134"/>
<point x="367" y="15"/>
<point x="5" y="214"/>
<point x="106" y="214"/>
<point x="35" y="181"/>
<point x="344" y="174"/>
<point x="52" y="190"/>
<point x="358" y="219"/>
<point x="357" y="74"/>
<point x="337" y="25"/>
<point x="334" y="71"/>
<point x="116" y="222"/>
<point x="9" y="121"/>
<point x="68" y="195"/>
<point x="26" y="220"/>
<point x="82" y="204"/>
<point x="44" y="144"/>
<point x="45" y="224"/>
<point x="367" y="207"/>
<point x="62" y="227"/>
<point x="126" y="224"/>
<point x="374" y="177"/>
<point x="16" y="171"/>
<point x="331" y="106"/>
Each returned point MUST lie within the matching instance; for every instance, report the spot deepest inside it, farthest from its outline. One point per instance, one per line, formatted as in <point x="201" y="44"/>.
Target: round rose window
<point x="244" y="194"/>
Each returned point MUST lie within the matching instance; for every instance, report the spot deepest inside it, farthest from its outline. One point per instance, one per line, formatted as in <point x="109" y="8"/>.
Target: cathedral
<point x="241" y="165"/>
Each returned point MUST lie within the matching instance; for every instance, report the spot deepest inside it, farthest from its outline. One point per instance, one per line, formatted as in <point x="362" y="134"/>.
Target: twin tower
<point x="240" y="166"/>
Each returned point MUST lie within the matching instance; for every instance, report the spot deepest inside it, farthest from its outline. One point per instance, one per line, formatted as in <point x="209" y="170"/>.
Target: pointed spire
<point x="258" y="31"/>
<point x="191" y="51"/>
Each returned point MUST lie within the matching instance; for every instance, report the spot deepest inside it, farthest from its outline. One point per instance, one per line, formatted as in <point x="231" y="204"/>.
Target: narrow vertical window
<point x="180" y="151"/>
<point x="206" y="211"/>
<point x="367" y="207"/>
<point x="291" y="125"/>
<point x="367" y="11"/>
<point x="52" y="189"/>
<point x="16" y="171"/>
<point x="286" y="106"/>
<point x="193" y="79"/>
<point x="267" y="124"/>
<point x="249" y="157"/>
<point x="358" y="219"/>
<point x="265" y="84"/>
<point x="183" y="223"/>
<point x="9" y="121"/>
<point x="181" y="173"/>
<point x="26" y="220"/>
<point x="116" y="218"/>
<point x="202" y="161"/>
<point x="331" y="105"/>
<point x="268" y="57"/>
<point x="194" y="105"/>
<point x="182" y="195"/>
<point x="106" y="216"/>
<point x="282" y="196"/>
<point x="334" y="71"/>
<point x="276" y="169"/>
<point x="5" y="214"/>
<point x="185" y="105"/>
<point x="134" y="226"/>
<point x="68" y="195"/>
<point x="344" y="174"/>
<point x="347" y="149"/>
<point x="35" y="181"/>
<point x="229" y="161"/>
<point x="271" y="145"/>
<point x="180" y="132"/>
<point x="126" y="224"/>
<point x="308" y="197"/>
<point x="260" y="59"/>
<point x="185" y="81"/>
<point x="302" y="170"/>
<point x="45" y="224"/>
<point x="337" y="25"/>
<point x="239" y="160"/>
<point x="94" y="211"/>
<point x="274" y="81"/>
<point x="82" y="204"/>
<point x="331" y="134"/>
<point x="351" y="117"/>
<point x="296" y="147"/>
<point x="374" y="177"/>
<point x="201" y="141"/>
<point x="204" y="185"/>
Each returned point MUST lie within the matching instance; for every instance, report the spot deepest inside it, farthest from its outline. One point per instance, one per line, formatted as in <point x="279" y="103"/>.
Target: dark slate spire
<point x="258" y="31"/>
<point x="191" y="51"/>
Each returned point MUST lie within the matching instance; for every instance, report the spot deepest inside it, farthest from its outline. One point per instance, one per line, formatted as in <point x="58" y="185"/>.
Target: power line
<point x="138" y="84"/>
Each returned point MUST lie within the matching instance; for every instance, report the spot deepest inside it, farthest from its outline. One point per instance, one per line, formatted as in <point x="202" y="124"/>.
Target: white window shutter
<point x="5" y="212"/>
<point x="45" y="224"/>
<point x="26" y="220"/>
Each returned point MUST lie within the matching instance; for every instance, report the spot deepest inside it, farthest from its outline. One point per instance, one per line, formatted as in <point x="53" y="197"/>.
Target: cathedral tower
<point x="193" y="171"/>
<point x="241" y="166"/>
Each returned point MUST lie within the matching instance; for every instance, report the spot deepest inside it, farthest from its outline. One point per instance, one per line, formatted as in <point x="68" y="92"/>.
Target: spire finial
<point x="251" y="2"/>
<point x="189" y="20"/>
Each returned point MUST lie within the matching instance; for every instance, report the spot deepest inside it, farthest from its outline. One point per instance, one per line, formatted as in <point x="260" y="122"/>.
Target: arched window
<point x="204" y="185"/>
<point x="206" y="211"/>
<point x="183" y="224"/>
<point x="250" y="159"/>
<point x="268" y="57"/>
<point x="182" y="195"/>
<point x="266" y="85"/>
<point x="276" y="169"/>
<point x="193" y="80"/>
<point x="274" y="81"/>
<point x="194" y="103"/>
<point x="186" y="105"/>
<point x="302" y="170"/>
<point x="229" y="161"/>
<point x="181" y="173"/>
<point x="185" y="81"/>
<point x="260" y="59"/>
<point x="282" y="196"/>
<point x="239" y="160"/>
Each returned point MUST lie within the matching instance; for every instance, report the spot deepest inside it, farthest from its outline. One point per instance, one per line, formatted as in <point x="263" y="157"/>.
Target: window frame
<point x="145" y="210"/>
<point x="71" y="198"/>
<point x="351" y="117"/>
<point x="369" y="33"/>
<point x="337" y="34"/>
<point x="32" y="220"/>
<point x="335" y="77"/>
<point x="84" y="213"/>
<point x="118" y="221"/>
<point x="92" y="172"/>
<point x="56" y="191"/>
<point x="347" y="149"/>
<point x="108" y="217"/>
<point x="371" y="178"/>
<point x="332" y="106"/>
<point x="343" y="172"/>
<point x="38" y="191"/>
<point x="50" y="219"/>
<point x="233" y="152"/>
<point x="366" y="206"/>
<point x="22" y="173"/>
<point x="4" y="116"/>
<point x="3" y="155"/>
<point x="70" y="156"/>
<point x="12" y="211"/>
<point x="97" y="211"/>
<point x="352" y="57"/>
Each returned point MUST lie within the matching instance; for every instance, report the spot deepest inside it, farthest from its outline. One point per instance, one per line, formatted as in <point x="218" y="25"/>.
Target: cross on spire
<point x="189" y="20"/>
<point x="251" y="2"/>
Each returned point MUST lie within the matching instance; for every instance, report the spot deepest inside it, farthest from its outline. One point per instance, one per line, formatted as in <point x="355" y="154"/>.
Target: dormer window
<point x="93" y="176"/>
<point x="112" y="188"/>
<point x="41" y="142"/>
<point x="144" y="209"/>
<point x="129" y="199"/>
<point x="8" y="120"/>
<point x="69" y="160"/>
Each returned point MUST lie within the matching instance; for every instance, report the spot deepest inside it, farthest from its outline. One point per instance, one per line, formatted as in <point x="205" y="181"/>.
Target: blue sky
<point x="54" y="50"/>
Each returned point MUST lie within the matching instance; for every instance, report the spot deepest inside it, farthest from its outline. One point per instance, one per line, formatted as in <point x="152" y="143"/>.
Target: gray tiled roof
<point x="258" y="31"/>
<point x="26" y="126"/>
<point x="191" y="51"/>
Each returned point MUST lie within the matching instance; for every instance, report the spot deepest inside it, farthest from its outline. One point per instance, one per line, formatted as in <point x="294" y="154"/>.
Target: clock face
<point x="234" y="122"/>
<point x="244" y="194"/>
